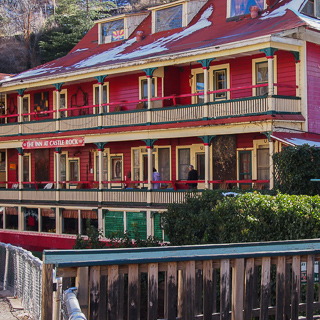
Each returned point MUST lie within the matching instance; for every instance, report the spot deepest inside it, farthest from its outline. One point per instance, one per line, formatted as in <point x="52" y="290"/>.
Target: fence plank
<point x="287" y="292"/>
<point x="310" y="286"/>
<point x="171" y="291"/>
<point x="152" y="291"/>
<point x="189" y="297"/>
<point x="208" y="296"/>
<point x="181" y="290"/>
<point x="224" y="289"/>
<point x="280" y="291"/>
<point x="237" y="287"/>
<point x="133" y="292"/>
<point x="113" y="292"/>
<point x="249" y="289"/>
<point x="198" y="292"/>
<point x="94" y="292"/>
<point x="122" y="306"/>
<point x="103" y="297"/>
<point x="265" y="288"/>
<point x="47" y="292"/>
<point x="82" y="283"/>
<point x="295" y="287"/>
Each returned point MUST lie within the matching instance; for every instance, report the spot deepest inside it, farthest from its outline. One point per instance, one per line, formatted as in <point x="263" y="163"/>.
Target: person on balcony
<point x="156" y="177"/>
<point x="192" y="176"/>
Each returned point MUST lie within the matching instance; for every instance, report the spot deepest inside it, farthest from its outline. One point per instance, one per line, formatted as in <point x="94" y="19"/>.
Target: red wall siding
<point x="313" y="88"/>
<point x="286" y="73"/>
<point x="12" y="157"/>
<point x="171" y="83"/>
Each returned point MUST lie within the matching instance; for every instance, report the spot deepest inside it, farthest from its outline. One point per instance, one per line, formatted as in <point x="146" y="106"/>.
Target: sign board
<point x="53" y="143"/>
<point x="304" y="272"/>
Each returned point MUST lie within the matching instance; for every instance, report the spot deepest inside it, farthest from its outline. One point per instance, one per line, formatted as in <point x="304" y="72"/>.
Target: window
<point x="11" y="218"/>
<point x="261" y="77"/>
<point x="220" y="83"/>
<point x="104" y="97"/>
<point x="164" y="163"/>
<point x="86" y="217"/>
<point x="63" y="167"/>
<point x="245" y="168"/>
<point x="2" y="107"/>
<point x="312" y="8"/>
<point x="3" y="168"/>
<point x="63" y="102"/>
<point x="31" y="219"/>
<point x="183" y="163"/>
<point x="144" y="89"/>
<point x="73" y="169"/>
<point x="26" y="108"/>
<point x="201" y="165"/>
<point x="41" y="102"/>
<point x="199" y="87"/>
<point x="26" y="170"/>
<point x="70" y="221"/>
<point x="48" y="220"/>
<point x="263" y="165"/>
<point x="168" y="18"/>
<point x="114" y="223"/>
<point x="136" y="165"/>
<point x="137" y="220"/>
<point x="104" y="167"/>
<point x="241" y="7"/>
<point x="116" y="167"/>
<point x="112" y="31"/>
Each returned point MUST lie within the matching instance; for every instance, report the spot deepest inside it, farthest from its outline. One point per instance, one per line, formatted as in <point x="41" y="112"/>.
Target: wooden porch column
<point x="58" y="169"/>
<point x="58" y="87"/>
<point x="207" y="142"/>
<point x="20" y="167"/>
<point x="149" y="73"/>
<point x="271" y="151"/>
<point x="205" y="66"/>
<point x="47" y="292"/>
<point x="100" y="168"/>
<point x="150" y="167"/>
<point x="20" y="107"/>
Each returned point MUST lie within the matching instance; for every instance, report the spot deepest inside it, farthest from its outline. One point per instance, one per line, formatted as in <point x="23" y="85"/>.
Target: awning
<point x="297" y="139"/>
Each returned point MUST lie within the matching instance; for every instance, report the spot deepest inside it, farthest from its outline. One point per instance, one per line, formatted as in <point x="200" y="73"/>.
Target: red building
<point x="205" y="83"/>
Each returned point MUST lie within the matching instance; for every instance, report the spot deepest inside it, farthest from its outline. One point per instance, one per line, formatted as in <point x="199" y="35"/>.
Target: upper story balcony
<point x="117" y="114"/>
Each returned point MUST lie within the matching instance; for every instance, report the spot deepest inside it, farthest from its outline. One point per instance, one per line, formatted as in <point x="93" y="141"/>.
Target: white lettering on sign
<point x="53" y="143"/>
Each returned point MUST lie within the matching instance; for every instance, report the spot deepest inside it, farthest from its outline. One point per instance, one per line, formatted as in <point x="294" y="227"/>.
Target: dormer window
<point x="242" y="7"/>
<point x="175" y="14"/>
<point x="168" y="18"/>
<point x="312" y="8"/>
<point x="112" y="31"/>
<point x="118" y="28"/>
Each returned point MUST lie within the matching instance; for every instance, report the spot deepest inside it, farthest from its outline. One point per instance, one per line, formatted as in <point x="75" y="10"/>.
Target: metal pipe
<point x="72" y="304"/>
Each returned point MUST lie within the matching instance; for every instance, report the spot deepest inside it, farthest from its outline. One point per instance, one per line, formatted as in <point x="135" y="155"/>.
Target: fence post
<point x="47" y="292"/>
<point x="5" y="280"/>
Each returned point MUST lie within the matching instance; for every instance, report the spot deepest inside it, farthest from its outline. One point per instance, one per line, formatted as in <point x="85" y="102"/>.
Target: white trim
<point x="257" y="144"/>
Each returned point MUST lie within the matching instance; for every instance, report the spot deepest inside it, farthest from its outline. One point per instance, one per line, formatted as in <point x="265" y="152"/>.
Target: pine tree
<point x="68" y="24"/>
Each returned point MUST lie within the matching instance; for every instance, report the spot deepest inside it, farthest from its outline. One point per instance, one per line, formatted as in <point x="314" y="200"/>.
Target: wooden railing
<point x="212" y="110"/>
<point x="269" y="280"/>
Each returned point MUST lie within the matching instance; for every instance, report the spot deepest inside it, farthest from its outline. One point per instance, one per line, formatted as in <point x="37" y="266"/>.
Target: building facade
<point x="220" y="85"/>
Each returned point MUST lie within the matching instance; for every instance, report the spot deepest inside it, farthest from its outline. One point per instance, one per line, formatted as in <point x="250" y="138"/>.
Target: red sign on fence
<point x="53" y="143"/>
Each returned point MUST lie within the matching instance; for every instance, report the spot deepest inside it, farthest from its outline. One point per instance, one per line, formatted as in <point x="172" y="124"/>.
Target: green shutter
<point x="140" y="219"/>
<point x="157" y="231"/>
<point x="114" y="222"/>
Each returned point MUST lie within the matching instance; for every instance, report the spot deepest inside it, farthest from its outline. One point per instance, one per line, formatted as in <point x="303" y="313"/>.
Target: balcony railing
<point x="91" y="120"/>
<point x="32" y="193"/>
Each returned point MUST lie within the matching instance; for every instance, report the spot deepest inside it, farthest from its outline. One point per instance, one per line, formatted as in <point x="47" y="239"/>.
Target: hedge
<point x="249" y="217"/>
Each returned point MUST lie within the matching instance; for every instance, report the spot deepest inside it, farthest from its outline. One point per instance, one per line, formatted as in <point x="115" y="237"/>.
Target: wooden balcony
<point x="213" y="110"/>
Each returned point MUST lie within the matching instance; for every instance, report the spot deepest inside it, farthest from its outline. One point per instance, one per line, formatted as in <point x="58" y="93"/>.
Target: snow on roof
<point x="295" y="6"/>
<point x="298" y="139"/>
<point x="155" y="47"/>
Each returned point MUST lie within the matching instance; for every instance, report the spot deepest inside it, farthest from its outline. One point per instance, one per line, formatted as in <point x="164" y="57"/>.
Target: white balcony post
<point x="205" y="93"/>
<point x="150" y="167"/>
<point x="20" y="168"/>
<point x="100" y="168"/>
<point x="20" y="108"/>
<point x="58" y="116"/>
<point x="270" y="76"/>
<point x="207" y="165"/>
<point x="271" y="151"/>
<point x="58" y="169"/>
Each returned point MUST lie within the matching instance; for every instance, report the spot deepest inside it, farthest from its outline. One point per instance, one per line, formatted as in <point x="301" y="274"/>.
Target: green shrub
<point x="294" y="167"/>
<point x="249" y="217"/>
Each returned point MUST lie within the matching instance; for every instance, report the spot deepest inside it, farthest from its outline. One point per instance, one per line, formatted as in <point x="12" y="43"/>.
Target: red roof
<point x="209" y="28"/>
<point x="297" y="138"/>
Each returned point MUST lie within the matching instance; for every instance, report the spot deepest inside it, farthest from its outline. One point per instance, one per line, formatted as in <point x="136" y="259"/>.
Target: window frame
<point x="105" y="85"/>
<point x="155" y="87"/>
<point x="25" y="96"/>
<point x="254" y="76"/>
<point x="112" y="19"/>
<point x="26" y="155"/>
<point x="69" y="160"/>
<point x="65" y="92"/>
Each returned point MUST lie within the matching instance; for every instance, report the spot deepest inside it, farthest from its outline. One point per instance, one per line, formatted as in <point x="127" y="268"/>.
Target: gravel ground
<point x="8" y="313"/>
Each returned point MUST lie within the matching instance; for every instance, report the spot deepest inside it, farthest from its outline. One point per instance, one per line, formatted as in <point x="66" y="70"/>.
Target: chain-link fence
<point x="21" y="273"/>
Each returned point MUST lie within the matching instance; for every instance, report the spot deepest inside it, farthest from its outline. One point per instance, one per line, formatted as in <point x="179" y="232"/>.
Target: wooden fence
<point x="269" y="280"/>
